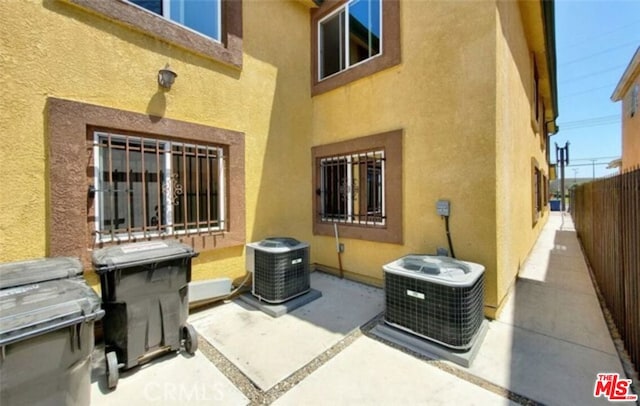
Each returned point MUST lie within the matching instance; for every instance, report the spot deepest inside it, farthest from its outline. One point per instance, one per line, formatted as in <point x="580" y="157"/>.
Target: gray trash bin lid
<point x="139" y="253"/>
<point x="38" y="270"/>
<point x="38" y="308"/>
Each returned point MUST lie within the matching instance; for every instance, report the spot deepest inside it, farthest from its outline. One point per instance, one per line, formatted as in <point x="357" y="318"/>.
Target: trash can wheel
<point x="190" y="337"/>
<point x="112" y="370"/>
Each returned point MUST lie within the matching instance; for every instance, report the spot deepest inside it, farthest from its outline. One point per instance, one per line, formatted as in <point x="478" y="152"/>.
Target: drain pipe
<point x="338" y="250"/>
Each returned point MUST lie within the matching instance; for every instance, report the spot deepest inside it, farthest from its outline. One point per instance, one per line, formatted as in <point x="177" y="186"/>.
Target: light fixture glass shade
<point x="166" y="77"/>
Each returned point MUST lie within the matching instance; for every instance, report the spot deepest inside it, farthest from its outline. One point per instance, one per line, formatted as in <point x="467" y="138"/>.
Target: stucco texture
<point x="66" y="52"/>
<point x="517" y="143"/>
<point x="462" y="97"/>
<point x="459" y="96"/>
<point x="631" y="128"/>
<point x="443" y="97"/>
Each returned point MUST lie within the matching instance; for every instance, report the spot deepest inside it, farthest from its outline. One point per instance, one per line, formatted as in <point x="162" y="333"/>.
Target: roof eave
<point x="627" y="76"/>
<point x="548" y="13"/>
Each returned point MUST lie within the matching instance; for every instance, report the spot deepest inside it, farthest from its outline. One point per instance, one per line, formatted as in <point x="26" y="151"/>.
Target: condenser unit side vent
<point x="437" y="298"/>
<point x="280" y="267"/>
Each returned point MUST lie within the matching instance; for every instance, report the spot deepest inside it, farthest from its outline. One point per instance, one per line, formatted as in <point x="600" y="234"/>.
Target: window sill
<point x="359" y="232"/>
<point x="228" y="52"/>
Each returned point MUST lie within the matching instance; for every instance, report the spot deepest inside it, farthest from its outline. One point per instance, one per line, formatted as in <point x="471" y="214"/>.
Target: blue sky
<point x="595" y="40"/>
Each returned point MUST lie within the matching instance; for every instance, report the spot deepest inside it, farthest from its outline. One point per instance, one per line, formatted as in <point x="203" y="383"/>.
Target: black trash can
<point x="146" y="302"/>
<point x="47" y="314"/>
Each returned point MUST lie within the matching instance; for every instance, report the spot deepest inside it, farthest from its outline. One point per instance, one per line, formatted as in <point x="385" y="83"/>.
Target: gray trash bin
<point x="47" y="314"/>
<point x="145" y="297"/>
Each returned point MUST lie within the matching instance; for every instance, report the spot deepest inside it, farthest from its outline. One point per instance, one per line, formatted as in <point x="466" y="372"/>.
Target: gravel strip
<point x="239" y="379"/>
<point x="258" y="397"/>
<point x="253" y="392"/>
<point x="483" y="383"/>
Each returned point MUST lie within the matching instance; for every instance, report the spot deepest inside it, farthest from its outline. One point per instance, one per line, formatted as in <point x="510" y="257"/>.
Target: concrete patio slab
<point x="371" y="373"/>
<point x="172" y="379"/>
<point x="268" y="350"/>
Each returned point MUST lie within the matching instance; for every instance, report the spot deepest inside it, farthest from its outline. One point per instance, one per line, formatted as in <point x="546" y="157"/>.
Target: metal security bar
<point x="150" y="187"/>
<point x="352" y="188"/>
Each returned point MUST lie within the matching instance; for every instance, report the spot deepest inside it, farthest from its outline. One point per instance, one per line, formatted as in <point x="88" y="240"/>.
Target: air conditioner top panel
<point x="278" y="244"/>
<point x="437" y="269"/>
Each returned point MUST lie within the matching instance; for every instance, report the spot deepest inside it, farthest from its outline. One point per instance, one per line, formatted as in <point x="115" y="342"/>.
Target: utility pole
<point x="562" y="158"/>
<point x="593" y="166"/>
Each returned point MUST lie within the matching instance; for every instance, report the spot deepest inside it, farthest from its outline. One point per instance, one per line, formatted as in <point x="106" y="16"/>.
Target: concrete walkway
<point x="546" y="347"/>
<point x="551" y="339"/>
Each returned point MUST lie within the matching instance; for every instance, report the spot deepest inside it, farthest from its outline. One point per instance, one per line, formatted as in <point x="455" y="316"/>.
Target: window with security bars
<point x="351" y="188"/>
<point x="149" y="187"/>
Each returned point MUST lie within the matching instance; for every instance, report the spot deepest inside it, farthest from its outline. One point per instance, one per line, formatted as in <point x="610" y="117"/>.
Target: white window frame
<point x="348" y="158"/>
<point x="345" y="40"/>
<point x="105" y="237"/>
<point x="166" y="15"/>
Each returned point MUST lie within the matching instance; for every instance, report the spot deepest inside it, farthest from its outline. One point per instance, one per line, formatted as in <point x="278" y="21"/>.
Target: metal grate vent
<point x="280" y="274"/>
<point x="449" y="315"/>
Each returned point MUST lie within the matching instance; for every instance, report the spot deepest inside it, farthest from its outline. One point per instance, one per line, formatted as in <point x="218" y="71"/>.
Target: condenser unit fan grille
<point x="446" y="314"/>
<point x="281" y="276"/>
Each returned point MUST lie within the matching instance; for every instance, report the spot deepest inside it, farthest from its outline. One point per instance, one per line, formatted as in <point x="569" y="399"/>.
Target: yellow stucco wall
<point x="462" y="97"/>
<point x="443" y="96"/>
<point x="630" y="129"/>
<point x="516" y="144"/>
<point x="459" y="96"/>
<point x="62" y="51"/>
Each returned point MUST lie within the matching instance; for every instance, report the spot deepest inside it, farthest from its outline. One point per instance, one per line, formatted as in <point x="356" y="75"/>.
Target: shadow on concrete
<point x="553" y="324"/>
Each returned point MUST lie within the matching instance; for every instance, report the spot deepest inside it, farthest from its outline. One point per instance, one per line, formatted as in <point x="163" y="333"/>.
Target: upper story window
<point x="536" y="107"/>
<point x="349" y="35"/>
<point x="203" y="16"/>
<point x="353" y="39"/>
<point x="633" y="100"/>
<point x="209" y="28"/>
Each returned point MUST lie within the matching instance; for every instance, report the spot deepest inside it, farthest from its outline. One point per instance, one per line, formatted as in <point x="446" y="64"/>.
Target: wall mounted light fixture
<point x="166" y="77"/>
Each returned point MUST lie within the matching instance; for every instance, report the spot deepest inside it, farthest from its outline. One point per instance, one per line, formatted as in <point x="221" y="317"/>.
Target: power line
<point x="591" y="164"/>
<point x="603" y="34"/>
<point x="600" y="52"/>
<point x="597" y="158"/>
<point x="575" y="78"/>
<point x="611" y="86"/>
<point x="591" y="121"/>
<point x="584" y="126"/>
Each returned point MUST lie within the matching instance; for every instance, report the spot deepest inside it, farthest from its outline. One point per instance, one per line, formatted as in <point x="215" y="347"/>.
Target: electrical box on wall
<point x="442" y="206"/>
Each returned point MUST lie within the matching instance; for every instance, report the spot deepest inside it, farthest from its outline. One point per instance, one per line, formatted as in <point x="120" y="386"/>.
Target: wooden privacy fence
<point x="606" y="214"/>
